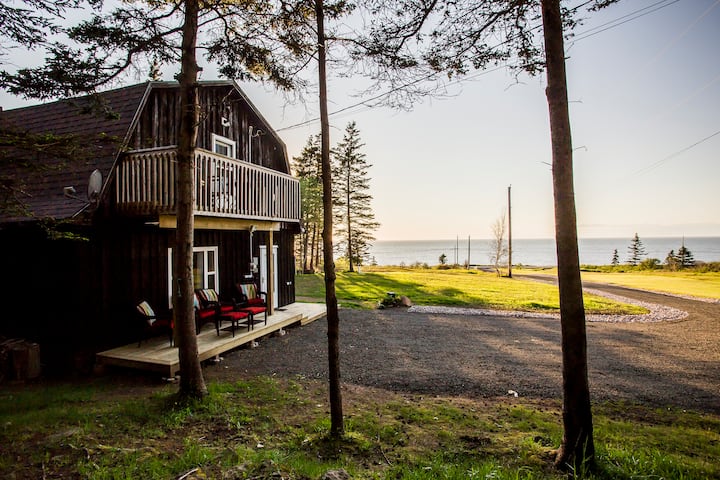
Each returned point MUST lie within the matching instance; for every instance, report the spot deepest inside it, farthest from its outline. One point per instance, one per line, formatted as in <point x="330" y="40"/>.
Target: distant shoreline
<point x="534" y="251"/>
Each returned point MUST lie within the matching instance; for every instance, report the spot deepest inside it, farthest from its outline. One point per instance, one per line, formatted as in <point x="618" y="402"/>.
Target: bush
<point x="707" y="267"/>
<point x="649" y="264"/>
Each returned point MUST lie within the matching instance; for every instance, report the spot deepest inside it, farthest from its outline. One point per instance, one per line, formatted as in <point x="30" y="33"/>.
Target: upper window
<point x="223" y="146"/>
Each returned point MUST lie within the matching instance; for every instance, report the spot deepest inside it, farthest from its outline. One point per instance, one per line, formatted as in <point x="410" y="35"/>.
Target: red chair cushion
<point x="253" y="310"/>
<point x="235" y="315"/>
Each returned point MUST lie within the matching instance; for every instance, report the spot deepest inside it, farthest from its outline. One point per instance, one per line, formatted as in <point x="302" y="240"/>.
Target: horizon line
<point x="464" y="238"/>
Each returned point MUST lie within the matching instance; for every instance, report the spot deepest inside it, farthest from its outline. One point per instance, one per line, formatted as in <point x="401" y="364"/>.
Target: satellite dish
<point x="94" y="185"/>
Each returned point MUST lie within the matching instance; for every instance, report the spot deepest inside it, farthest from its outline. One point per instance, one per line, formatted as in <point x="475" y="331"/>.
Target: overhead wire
<point x="609" y="25"/>
<point x="657" y="164"/>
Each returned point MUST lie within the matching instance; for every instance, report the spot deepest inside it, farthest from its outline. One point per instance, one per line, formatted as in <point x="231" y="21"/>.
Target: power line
<point x="655" y="165"/>
<point x="611" y="24"/>
<point x="633" y="16"/>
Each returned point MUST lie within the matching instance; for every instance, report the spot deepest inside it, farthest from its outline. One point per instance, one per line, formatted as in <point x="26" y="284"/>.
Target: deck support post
<point x="271" y="275"/>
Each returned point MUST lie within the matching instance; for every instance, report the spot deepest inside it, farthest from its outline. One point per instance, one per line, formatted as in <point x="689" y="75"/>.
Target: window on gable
<point x="223" y="146"/>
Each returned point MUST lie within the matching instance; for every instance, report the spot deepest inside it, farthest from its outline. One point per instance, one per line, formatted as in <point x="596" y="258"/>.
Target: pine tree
<point x="615" y="259"/>
<point x="685" y="257"/>
<point x="355" y="219"/>
<point x="672" y="261"/>
<point x="307" y="166"/>
<point x="636" y="251"/>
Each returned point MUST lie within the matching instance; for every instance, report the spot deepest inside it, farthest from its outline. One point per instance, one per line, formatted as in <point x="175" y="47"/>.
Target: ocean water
<point x="536" y="252"/>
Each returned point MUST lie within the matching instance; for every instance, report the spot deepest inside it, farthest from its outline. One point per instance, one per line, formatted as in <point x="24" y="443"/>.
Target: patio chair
<point x="150" y="323"/>
<point x="211" y="308"/>
<point x="252" y="301"/>
<point x="250" y="294"/>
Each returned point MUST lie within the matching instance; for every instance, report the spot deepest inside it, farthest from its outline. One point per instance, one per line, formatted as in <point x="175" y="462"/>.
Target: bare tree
<point x="498" y="246"/>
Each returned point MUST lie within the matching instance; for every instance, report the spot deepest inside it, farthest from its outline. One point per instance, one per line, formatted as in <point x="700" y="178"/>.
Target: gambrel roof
<point x="103" y="123"/>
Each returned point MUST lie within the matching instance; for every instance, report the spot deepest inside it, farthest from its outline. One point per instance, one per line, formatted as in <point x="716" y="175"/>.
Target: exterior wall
<point x="160" y="119"/>
<point x="72" y="295"/>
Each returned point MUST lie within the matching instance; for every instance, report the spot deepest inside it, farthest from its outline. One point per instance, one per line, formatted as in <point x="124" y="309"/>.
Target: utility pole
<point x="457" y="245"/>
<point x="468" y="260"/>
<point x="509" y="234"/>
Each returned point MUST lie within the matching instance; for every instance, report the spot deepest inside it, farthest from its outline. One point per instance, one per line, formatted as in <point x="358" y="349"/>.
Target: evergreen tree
<point x="685" y="257"/>
<point x="30" y="25"/>
<point x="636" y="251"/>
<point x="309" y="163"/>
<point x="355" y="218"/>
<point x="615" y="259"/>
<point x="307" y="166"/>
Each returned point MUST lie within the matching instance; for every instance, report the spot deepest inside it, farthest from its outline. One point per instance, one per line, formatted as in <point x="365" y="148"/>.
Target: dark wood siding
<point x="159" y="120"/>
<point x="72" y="295"/>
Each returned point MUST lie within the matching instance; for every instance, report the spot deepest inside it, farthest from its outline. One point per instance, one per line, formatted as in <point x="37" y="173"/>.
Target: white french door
<point x="264" y="272"/>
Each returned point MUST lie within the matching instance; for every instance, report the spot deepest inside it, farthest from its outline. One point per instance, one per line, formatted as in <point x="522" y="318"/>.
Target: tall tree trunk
<point x="192" y="382"/>
<point x="313" y="243"/>
<point x="349" y="218"/>
<point x="305" y="240"/>
<point x="577" y="444"/>
<point x="337" y="427"/>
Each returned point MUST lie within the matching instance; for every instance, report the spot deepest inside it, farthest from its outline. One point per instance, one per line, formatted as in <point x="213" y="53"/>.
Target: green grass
<point x="265" y="426"/>
<point x="684" y="282"/>
<point x="459" y="288"/>
<point x="705" y="285"/>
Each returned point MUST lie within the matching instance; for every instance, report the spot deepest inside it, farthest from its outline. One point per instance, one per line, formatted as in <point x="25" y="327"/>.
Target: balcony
<point x="224" y="187"/>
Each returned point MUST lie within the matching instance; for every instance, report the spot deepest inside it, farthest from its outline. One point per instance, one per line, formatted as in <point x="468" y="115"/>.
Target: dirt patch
<point x="674" y="363"/>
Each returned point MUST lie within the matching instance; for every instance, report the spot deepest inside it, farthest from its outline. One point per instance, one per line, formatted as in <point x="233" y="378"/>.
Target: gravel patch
<point x="460" y="353"/>
<point x="656" y="312"/>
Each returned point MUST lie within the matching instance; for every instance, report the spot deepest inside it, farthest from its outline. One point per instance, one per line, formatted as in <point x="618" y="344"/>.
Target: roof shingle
<point x="82" y="118"/>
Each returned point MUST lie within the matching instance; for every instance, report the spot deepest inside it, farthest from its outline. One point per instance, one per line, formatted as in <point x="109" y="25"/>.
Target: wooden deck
<point x="157" y="355"/>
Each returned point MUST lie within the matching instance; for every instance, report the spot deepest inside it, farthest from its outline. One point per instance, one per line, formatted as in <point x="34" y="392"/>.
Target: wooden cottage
<point x="95" y="234"/>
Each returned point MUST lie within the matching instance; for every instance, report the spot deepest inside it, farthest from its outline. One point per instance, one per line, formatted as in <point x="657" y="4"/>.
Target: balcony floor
<point x="157" y="355"/>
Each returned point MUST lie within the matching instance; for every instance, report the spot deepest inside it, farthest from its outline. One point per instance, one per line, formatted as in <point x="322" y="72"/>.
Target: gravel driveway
<point x="665" y="363"/>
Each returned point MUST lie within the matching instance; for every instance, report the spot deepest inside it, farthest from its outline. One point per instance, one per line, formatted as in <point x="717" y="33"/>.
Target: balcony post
<point x="271" y="275"/>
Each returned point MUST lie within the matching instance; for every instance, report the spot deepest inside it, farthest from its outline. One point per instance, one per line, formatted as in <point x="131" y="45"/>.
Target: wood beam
<point x="220" y="223"/>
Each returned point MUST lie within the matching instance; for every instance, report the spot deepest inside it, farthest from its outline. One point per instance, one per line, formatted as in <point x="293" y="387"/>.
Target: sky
<point x="645" y="115"/>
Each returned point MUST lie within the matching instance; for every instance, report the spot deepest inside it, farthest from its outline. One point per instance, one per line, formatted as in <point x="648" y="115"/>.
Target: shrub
<point x="649" y="264"/>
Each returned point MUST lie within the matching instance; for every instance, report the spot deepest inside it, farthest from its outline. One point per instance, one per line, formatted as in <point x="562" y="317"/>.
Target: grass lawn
<point x="263" y="428"/>
<point x="460" y="288"/>
<point x="696" y="284"/>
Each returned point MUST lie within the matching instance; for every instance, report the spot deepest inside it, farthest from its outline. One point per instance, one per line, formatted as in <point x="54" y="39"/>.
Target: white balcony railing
<point x="224" y="187"/>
